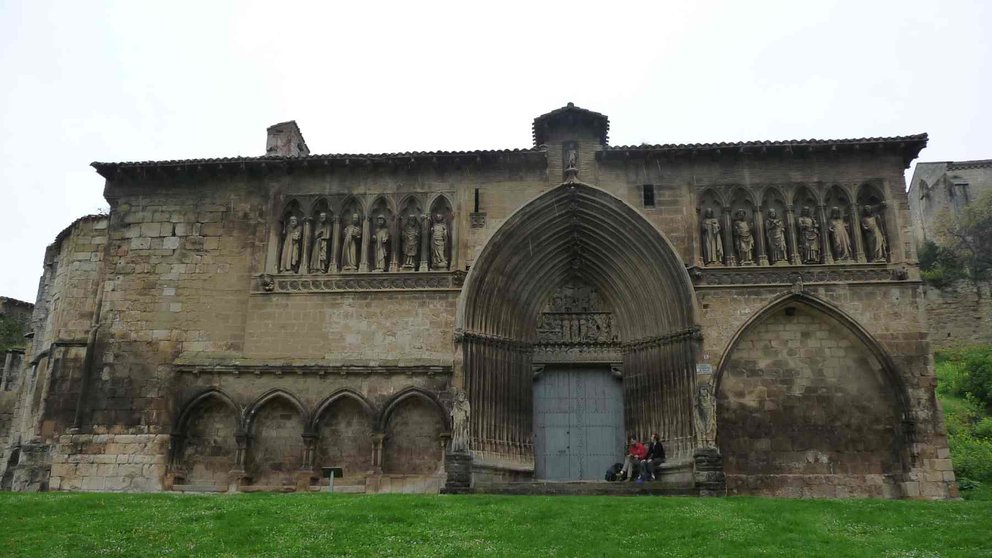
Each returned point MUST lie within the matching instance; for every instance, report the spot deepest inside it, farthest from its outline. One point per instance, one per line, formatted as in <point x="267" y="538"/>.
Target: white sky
<point x="122" y="81"/>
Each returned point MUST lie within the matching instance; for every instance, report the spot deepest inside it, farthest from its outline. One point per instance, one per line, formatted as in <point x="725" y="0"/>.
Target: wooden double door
<point x="578" y="422"/>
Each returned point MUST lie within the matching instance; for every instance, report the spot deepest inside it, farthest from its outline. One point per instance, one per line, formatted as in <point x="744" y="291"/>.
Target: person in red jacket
<point x="636" y="452"/>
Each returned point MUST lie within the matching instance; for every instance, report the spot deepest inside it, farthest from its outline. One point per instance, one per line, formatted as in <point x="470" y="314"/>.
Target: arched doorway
<point x="804" y="395"/>
<point x="577" y="234"/>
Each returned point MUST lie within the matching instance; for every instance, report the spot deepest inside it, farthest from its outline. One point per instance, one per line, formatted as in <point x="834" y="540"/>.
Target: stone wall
<point x="960" y="314"/>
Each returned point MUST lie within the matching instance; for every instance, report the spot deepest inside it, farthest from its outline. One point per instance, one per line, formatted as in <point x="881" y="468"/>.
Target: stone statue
<point x="460" y="411"/>
<point x="809" y="237"/>
<point x="411" y="242"/>
<point x="570" y="159"/>
<point x="321" y="244"/>
<point x="291" y="245"/>
<point x="839" y="239"/>
<point x="439" y="243"/>
<point x="351" y="248"/>
<point x="705" y="415"/>
<point x="712" y="239"/>
<point x="871" y="225"/>
<point x="381" y="243"/>
<point x="743" y="239"/>
<point x="776" y="237"/>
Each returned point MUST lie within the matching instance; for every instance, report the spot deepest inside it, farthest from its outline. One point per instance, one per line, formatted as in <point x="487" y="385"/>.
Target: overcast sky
<point x="124" y="81"/>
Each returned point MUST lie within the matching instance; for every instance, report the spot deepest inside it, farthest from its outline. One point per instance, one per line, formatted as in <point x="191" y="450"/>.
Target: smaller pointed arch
<point x="276" y="393"/>
<point x="338" y="396"/>
<point x="191" y="406"/>
<point x="409" y="393"/>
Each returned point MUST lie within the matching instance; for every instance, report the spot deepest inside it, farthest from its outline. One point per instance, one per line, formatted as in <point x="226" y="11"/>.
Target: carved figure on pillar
<point x="439" y="243"/>
<point x="743" y="239"/>
<point x="460" y="411"/>
<point x="705" y="415"/>
<point x="382" y="241"/>
<point x="776" y="237"/>
<point x="840" y="241"/>
<point x="712" y="239"/>
<point x="292" y="241"/>
<point x="352" y="244"/>
<point x="874" y="233"/>
<point x="321" y="244"/>
<point x="411" y="241"/>
<point x="809" y="237"/>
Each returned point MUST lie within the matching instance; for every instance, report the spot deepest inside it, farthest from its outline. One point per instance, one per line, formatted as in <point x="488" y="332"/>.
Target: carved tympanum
<point x="574" y="315"/>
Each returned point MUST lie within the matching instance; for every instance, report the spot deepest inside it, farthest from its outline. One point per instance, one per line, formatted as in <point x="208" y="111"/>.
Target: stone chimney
<point x="286" y="140"/>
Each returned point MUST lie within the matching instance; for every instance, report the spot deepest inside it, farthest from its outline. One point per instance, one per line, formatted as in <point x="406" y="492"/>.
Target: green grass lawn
<point x="133" y="525"/>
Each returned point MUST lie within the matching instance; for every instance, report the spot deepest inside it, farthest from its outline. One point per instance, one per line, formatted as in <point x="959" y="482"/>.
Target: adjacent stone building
<point x="465" y="320"/>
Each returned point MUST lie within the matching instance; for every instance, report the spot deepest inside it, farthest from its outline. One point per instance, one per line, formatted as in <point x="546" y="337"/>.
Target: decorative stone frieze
<point x="788" y="275"/>
<point x="437" y="281"/>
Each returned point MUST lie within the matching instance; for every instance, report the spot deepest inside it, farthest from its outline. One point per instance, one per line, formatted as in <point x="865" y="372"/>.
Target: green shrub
<point x="966" y="373"/>
<point x="972" y="457"/>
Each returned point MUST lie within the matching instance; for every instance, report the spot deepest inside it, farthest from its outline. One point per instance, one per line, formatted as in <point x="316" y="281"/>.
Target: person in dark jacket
<point x="654" y="458"/>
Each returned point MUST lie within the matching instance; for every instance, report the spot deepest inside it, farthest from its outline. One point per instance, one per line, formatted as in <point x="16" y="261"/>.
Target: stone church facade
<point x="468" y="320"/>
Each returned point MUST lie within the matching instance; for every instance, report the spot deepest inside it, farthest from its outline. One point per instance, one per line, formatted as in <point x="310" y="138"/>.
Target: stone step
<point x="586" y="488"/>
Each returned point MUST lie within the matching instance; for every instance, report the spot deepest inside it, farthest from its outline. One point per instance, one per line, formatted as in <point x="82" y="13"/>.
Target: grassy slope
<point x="59" y="524"/>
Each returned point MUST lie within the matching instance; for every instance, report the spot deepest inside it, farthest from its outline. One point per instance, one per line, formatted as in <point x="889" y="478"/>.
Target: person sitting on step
<point x="635" y="453"/>
<point x="654" y="458"/>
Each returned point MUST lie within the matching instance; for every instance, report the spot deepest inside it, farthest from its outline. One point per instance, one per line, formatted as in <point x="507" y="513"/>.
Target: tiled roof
<point x="107" y="169"/>
<point x="781" y="143"/>
<point x="962" y="165"/>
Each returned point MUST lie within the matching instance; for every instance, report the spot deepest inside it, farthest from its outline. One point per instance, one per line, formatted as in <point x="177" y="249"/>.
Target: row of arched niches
<point x="328" y="234"/>
<point x="796" y="224"/>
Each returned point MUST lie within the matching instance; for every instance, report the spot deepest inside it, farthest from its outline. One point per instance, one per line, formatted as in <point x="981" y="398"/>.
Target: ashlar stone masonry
<point x="441" y="320"/>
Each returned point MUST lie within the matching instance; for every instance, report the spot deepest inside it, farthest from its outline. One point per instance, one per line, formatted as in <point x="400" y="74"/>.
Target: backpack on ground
<point x="613" y="473"/>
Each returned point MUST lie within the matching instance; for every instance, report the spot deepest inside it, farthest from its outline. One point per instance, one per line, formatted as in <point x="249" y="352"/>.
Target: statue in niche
<point x="874" y="233"/>
<point x="839" y="239"/>
<point x="352" y="244"/>
<point x="460" y="412"/>
<point x="704" y="416"/>
<point x="411" y="242"/>
<point x="712" y="239"/>
<point x="291" y="244"/>
<point x="776" y="237"/>
<point x="439" y="243"/>
<point x="809" y="237"/>
<point x="381" y="242"/>
<point x="321" y="244"/>
<point x="570" y="159"/>
<point x="743" y="239"/>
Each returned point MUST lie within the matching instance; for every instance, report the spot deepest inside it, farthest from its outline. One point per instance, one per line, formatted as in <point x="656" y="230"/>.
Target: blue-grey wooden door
<point x="578" y="423"/>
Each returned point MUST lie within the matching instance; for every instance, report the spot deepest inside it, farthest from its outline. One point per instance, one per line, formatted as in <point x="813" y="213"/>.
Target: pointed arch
<point x="182" y="420"/>
<point x="897" y="384"/>
<point x="337" y="396"/>
<point x="251" y="412"/>
<point x="408" y="393"/>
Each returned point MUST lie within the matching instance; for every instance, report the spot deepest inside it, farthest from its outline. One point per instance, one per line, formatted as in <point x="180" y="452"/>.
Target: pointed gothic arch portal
<point x="577" y="233"/>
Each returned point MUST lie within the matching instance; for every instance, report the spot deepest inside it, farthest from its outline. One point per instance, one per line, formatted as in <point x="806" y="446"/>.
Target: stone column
<point x="728" y="238"/>
<point x="397" y="243"/>
<point x="335" y="244"/>
<point x="759" y="232"/>
<point x="7" y="362"/>
<point x="790" y="223"/>
<point x="363" y="255"/>
<point x="425" y="246"/>
<point x="708" y="475"/>
<point x="309" y="451"/>
<point x="827" y="257"/>
<point x="859" y="241"/>
<point x="453" y="239"/>
<point x="377" y="440"/>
